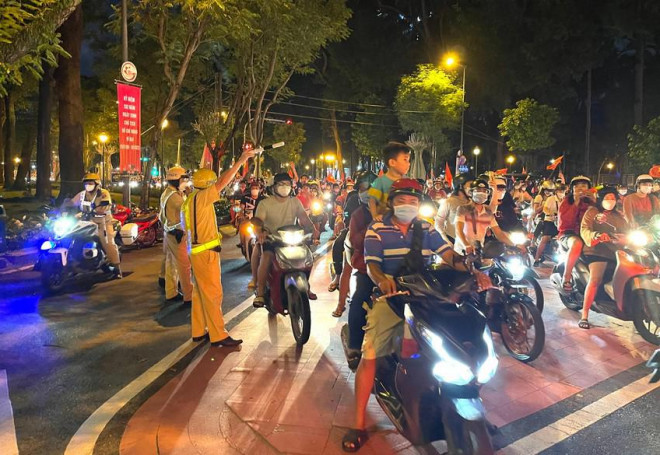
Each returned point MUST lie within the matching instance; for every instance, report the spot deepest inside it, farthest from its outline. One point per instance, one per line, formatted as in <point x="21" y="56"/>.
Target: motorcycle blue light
<point x="47" y="245"/>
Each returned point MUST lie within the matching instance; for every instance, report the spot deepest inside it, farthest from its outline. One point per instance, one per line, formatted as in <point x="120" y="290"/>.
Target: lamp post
<point x="509" y="161"/>
<point x="476" y="152"/>
<point x="103" y="138"/>
<point x="452" y="60"/>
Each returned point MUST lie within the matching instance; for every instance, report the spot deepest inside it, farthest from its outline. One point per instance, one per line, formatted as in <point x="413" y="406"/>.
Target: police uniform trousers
<point x="207" y="296"/>
<point x="107" y="238"/>
<point x="177" y="268"/>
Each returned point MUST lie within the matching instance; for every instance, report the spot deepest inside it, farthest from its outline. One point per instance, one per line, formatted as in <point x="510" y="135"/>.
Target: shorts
<point x="383" y="332"/>
<point x="549" y="228"/>
<point x="565" y="236"/>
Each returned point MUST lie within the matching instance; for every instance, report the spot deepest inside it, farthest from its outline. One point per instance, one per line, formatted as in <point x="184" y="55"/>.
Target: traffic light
<point x="289" y="121"/>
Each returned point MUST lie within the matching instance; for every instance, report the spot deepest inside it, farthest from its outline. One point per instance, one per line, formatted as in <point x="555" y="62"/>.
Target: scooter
<point x="430" y="390"/>
<point x="287" y="288"/>
<point x="150" y="229"/>
<point x="248" y="238"/>
<point x="74" y="250"/>
<point x="630" y="289"/>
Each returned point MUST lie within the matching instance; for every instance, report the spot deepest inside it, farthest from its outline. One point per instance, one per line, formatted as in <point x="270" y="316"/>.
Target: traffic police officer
<point x="204" y="243"/>
<point x="96" y="202"/>
<point x="177" y="263"/>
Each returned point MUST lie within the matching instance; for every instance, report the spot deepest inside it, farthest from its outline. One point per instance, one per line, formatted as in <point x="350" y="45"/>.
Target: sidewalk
<point x="267" y="397"/>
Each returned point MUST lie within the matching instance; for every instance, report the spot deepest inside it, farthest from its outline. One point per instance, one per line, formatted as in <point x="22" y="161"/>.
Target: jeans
<point x="357" y="315"/>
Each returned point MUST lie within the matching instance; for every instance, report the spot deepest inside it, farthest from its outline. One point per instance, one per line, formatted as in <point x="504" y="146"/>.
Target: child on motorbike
<point x="397" y="158"/>
<point x="602" y="227"/>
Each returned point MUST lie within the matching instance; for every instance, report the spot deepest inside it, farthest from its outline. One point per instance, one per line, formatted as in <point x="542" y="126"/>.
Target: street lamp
<point x="509" y="160"/>
<point x="103" y="138"/>
<point x="161" y="165"/>
<point x="452" y="60"/>
<point x="609" y="166"/>
<point x="476" y="152"/>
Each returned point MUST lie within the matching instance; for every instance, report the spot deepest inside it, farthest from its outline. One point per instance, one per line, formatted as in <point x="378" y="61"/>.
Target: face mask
<point x="479" y="198"/>
<point x="89" y="187"/>
<point x="623" y="192"/>
<point x="609" y="205"/>
<point x="646" y="189"/>
<point x="405" y="212"/>
<point x="283" y="190"/>
<point x="254" y="193"/>
<point x="364" y="197"/>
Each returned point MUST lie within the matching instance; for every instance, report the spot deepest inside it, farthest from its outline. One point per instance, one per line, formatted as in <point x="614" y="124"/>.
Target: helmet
<point x="560" y="187"/>
<point x="92" y="177"/>
<point x="313" y="183"/>
<point x="410" y="187"/>
<point x="460" y="180"/>
<point x="175" y="173"/>
<point x="479" y="184"/>
<point x="604" y="191"/>
<point x="547" y="185"/>
<point x="282" y="177"/>
<point x="365" y="177"/>
<point x="580" y="179"/>
<point x="204" y="178"/>
<point x="644" y="178"/>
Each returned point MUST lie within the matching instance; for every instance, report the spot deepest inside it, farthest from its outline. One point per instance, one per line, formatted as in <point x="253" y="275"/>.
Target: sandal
<point x="259" y="302"/>
<point x="332" y="287"/>
<point x="354" y="439"/>
<point x="568" y="286"/>
<point x="584" y="324"/>
<point x="338" y="312"/>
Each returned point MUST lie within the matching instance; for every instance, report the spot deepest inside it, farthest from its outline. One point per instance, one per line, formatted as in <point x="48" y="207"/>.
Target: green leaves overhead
<point x="644" y="146"/>
<point x="528" y="126"/>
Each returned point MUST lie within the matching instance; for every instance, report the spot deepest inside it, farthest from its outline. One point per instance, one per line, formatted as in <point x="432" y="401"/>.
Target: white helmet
<point x="643" y="178"/>
<point x="175" y="173"/>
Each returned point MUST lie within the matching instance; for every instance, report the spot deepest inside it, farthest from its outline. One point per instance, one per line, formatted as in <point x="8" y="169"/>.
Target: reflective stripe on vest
<point x="163" y="215"/>
<point x="206" y="246"/>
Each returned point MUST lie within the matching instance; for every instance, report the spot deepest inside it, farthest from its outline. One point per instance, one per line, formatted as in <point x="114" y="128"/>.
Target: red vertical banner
<point x="128" y="97"/>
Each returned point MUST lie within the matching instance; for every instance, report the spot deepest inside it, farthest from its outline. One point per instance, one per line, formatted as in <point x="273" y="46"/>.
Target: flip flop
<point x="353" y="440"/>
<point x="584" y="324"/>
<point x="337" y="313"/>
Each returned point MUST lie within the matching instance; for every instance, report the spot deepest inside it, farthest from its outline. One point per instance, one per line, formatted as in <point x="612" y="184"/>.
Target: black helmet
<point x="481" y="184"/>
<point x="282" y="177"/>
<point x="460" y="180"/>
<point x="365" y="177"/>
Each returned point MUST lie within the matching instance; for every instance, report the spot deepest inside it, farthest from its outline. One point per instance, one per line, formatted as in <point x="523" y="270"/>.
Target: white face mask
<point x="609" y="205"/>
<point x="646" y="189"/>
<point x="283" y="190"/>
<point x="405" y="212"/>
<point x="479" y="197"/>
<point x="364" y="197"/>
<point x="623" y="192"/>
<point x="89" y="187"/>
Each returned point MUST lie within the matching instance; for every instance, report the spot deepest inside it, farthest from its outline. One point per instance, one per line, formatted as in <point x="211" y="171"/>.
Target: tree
<point x="373" y="128"/>
<point x="644" y="146"/>
<point x="293" y="136"/>
<point x="529" y="126"/>
<point x="429" y="102"/>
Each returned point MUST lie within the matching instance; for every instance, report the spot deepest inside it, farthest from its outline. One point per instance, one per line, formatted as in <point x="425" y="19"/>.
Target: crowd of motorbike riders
<point x="385" y="226"/>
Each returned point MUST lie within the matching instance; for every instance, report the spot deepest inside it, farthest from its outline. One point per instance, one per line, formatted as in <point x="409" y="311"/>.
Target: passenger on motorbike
<point x="446" y="215"/>
<point x="520" y="193"/>
<point x="571" y="211"/>
<point x="437" y="192"/>
<point x="639" y="207"/>
<point x="602" y="228"/>
<point x="274" y="212"/>
<point x="95" y="202"/>
<point x="550" y="211"/>
<point x="397" y="159"/>
<point x="504" y="207"/>
<point x="546" y="190"/>
<point x="387" y="243"/>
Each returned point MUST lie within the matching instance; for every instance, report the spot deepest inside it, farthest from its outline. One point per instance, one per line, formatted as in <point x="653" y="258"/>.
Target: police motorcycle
<point x="510" y="310"/>
<point x="631" y="287"/>
<point x="431" y="392"/>
<point x="74" y="250"/>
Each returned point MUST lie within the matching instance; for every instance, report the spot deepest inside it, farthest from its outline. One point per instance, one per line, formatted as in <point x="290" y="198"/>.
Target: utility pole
<point x="126" y="189"/>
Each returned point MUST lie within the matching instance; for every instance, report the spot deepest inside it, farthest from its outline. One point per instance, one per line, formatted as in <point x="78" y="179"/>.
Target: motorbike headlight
<point x="426" y="211"/>
<point x="329" y="206"/>
<point x="518" y="238"/>
<point x="47" y="245"/>
<point x="515" y="267"/>
<point x="292" y="238"/>
<point x="316" y="206"/>
<point x="447" y="369"/>
<point x="488" y="369"/>
<point x="327" y="195"/>
<point x="62" y="226"/>
<point x="638" y="238"/>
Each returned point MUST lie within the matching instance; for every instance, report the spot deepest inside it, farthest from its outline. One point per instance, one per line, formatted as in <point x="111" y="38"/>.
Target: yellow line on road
<point x="582" y="418"/>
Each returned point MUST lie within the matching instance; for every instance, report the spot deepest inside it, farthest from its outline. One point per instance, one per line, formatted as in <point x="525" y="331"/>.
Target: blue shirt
<point x="385" y="244"/>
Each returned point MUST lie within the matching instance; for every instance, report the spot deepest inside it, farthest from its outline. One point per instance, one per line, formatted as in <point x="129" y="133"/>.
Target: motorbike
<point x="630" y="290"/>
<point x="74" y="250"/>
<point x="150" y="229"/>
<point x="248" y="237"/>
<point x="317" y="213"/>
<point x="431" y="392"/>
<point x="511" y="313"/>
<point x="287" y="287"/>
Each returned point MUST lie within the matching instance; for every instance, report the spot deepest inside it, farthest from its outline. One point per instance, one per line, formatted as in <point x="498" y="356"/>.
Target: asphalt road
<point x="66" y="355"/>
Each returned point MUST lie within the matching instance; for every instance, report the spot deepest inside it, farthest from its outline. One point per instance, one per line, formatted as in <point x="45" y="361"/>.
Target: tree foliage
<point x="293" y="136"/>
<point x="529" y="125"/>
<point x="429" y="102"/>
<point x="374" y="128"/>
<point x="644" y="146"/>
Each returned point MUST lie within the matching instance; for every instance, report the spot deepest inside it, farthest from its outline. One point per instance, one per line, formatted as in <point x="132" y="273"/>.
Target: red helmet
<point x="410" y="187"/>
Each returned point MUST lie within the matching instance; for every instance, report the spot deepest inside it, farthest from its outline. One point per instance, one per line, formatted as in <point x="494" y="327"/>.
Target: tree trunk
<point x="587" y="131"/>
<point x="337" y="138"/>
<point x="26" y="159"/>
<point x="69" y="95"/>
<point x="10" y="139"/>
<point x="639" y="81"/>
<point x="44" y="157"/>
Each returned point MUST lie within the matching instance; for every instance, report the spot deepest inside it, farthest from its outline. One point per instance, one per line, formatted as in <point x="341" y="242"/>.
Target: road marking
<point x="7" y="429"/>
<point x="582" y="418"/>
<point x="84" y="440"/>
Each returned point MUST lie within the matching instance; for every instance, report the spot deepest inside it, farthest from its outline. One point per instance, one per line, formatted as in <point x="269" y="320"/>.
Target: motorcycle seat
<point x="145" y="218"/>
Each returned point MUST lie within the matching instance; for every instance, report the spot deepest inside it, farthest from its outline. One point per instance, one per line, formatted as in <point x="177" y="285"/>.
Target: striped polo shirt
<point x="385" y="244"/>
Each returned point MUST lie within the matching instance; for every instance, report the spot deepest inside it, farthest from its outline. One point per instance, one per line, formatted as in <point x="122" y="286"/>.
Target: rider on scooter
<point x="639" y="207"/>
<point x="446" y="215"/>
<point x="550" y="210"/>
<point x="387" y="249"/>
<point x="274" y="212"/>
